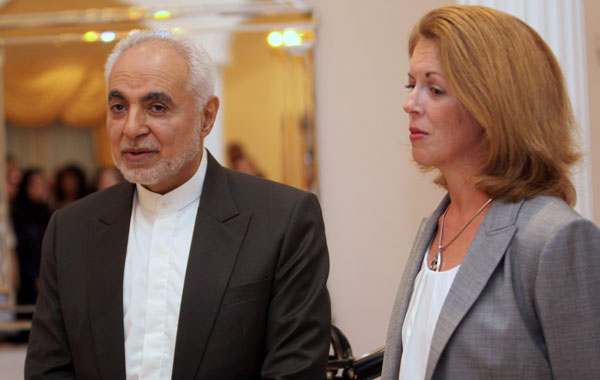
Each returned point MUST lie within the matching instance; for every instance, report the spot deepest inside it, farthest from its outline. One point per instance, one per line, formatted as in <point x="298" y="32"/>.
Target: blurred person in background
<point x="239" y="160"/>
<point x="106" y="177"/>
<point x="503" y="277"/>
<point x="70" y="185"/>
<point x="30" y="216"/>
<point x="13" y="177"/>
<point x="8" y="255"/>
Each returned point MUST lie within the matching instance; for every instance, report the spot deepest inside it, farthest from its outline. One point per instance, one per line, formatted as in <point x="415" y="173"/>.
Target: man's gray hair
<point x="202" y="72"/>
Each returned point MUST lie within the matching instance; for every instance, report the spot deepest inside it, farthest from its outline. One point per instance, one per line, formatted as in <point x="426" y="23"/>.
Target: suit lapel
<point x="482" y="258"/>
<point x="218" y="233"/>
<point x="107" y="247"/>
<point x="425" y="234"/>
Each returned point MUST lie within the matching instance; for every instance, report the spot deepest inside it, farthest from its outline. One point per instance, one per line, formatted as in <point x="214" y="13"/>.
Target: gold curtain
<point x="69" y="93"/>
<point x="62" y="81"/>
<point x="58" y="82"/>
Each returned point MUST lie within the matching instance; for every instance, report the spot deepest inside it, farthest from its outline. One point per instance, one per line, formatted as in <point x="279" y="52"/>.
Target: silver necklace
<point x="436" y="263"/>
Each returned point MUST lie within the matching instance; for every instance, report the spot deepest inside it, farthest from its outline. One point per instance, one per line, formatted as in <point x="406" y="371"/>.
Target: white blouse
<point x="428" y="296"/>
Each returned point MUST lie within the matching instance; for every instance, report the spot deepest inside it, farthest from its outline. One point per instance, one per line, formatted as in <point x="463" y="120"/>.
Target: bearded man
<point x="189" y="270"/>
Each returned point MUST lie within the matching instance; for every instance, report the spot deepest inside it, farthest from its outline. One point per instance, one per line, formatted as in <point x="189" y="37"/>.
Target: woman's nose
<point x="411" y="105"/>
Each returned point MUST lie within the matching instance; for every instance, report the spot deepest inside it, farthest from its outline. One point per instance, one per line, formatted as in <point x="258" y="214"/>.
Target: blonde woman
<point x="503" y="277"/>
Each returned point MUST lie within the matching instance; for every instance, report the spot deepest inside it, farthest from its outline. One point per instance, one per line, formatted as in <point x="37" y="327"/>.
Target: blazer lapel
<point x="107" y="247"/>
<point x="218" y="233"/>
<point x="425" y="234"/>
<point x="482" y="258"/>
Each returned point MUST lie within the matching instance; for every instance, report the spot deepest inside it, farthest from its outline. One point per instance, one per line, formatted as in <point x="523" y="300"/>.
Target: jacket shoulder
<point x="544" y="219"/>
<point x="547" y="214"/>
<point x="245" y="187"/>
<point x="115" y="197"/>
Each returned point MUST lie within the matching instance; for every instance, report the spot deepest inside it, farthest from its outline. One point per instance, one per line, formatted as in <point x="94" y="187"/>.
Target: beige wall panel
<point x="592" y="15"/>
<point x="373" y="196"/>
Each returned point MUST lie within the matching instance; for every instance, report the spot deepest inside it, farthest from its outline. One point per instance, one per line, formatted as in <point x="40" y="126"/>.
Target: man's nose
<point x="136" y="123"/>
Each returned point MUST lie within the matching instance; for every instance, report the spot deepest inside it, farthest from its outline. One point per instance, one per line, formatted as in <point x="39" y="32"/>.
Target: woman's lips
<point x="416" y="134"/>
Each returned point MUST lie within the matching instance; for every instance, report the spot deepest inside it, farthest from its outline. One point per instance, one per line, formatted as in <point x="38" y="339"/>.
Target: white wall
<point x="372" y="195"/>
<point x="592" y="15"/>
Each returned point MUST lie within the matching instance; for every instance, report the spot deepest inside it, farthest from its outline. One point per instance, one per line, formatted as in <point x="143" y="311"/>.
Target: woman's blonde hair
<point x="506" y="76"/>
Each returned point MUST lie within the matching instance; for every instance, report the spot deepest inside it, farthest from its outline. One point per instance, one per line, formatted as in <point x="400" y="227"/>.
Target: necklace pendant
<point x="434" y="266"/>
<point x="436" y="263"/>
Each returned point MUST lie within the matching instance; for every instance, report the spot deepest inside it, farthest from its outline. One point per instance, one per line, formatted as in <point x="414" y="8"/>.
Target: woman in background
<point x="30" y="215"/>
<point x="503" y="277"/>
<point x="70" y="185"/>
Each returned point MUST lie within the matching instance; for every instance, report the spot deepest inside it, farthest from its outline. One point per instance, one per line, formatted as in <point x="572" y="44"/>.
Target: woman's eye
<point x="437" y="91"/>
<point x="410" y="86"/>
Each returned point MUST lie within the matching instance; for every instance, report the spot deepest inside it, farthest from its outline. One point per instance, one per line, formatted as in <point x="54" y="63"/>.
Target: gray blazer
<point x="525" y="303"/>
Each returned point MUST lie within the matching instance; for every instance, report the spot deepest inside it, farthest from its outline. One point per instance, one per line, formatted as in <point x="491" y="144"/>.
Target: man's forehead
<point x="143" y="70"/>
<point x="151" y="52"/>
<point x="150" y="60"/>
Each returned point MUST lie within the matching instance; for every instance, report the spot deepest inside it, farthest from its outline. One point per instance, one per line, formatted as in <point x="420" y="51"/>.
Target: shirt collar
<point x="177" y="198"/>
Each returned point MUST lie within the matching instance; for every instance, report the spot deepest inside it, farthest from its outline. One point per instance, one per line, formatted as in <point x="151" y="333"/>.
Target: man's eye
<point x="117" y="107"/>
<point x="157" y="108"/>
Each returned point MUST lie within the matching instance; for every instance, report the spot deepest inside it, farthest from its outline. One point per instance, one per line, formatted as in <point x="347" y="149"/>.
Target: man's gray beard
<point x="164" y="168"/>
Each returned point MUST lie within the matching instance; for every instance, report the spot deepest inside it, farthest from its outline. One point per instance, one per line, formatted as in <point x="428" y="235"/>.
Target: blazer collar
<point x="425" y="235"/>
<point x="393" y="345"/>
<point x="423" y="238"/>
<point x="106" y="246"/>
<point x="216" y="199"/>
<point x="218" y="233"/>
<point x="483" y="256"/>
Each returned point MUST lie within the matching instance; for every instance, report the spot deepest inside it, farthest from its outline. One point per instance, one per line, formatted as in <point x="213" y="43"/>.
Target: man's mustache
<point x="139" y="145"/>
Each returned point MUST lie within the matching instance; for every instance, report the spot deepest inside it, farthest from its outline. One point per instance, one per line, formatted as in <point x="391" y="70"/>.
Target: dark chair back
<point x="343" y="365"/>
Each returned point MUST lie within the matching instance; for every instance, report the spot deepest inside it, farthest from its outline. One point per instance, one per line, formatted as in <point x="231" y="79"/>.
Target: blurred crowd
<point x="33" y="196"/>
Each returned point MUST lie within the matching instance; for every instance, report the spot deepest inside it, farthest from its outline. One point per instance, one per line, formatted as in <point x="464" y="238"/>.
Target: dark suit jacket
<point x="254" y="302"/>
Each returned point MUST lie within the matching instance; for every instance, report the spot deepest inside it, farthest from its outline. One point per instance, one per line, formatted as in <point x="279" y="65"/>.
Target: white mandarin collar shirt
<point x="158" y="247"/>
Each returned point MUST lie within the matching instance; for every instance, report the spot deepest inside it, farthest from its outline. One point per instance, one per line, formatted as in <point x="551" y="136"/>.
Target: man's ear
<point x="209" y="115"/>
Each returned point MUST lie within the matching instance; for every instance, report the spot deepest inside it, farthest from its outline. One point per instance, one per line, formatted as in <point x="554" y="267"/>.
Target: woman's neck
<point x="465" y="197"/>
